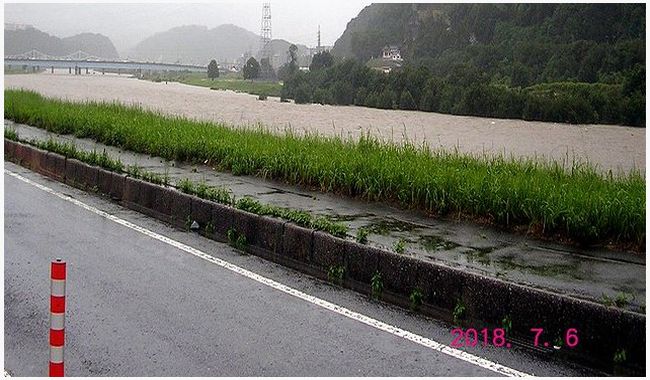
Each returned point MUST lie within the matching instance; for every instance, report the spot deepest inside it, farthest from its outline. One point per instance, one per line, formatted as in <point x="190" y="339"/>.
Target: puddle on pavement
<point x="385" y="226"/>
<point x="434" y="243"/>
<point x="569" y="270"/>
<point x="479" y="255"/>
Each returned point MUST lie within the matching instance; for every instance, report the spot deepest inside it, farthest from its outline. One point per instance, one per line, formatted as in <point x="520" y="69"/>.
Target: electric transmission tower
<point x="265" y="33"/>
<point x="318" y="38"/>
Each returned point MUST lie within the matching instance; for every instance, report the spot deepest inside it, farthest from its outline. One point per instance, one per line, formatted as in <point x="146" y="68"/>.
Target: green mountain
<point x="515" y="44"/>
<point x="574" y="63"/>
<point x="24" y="40"/>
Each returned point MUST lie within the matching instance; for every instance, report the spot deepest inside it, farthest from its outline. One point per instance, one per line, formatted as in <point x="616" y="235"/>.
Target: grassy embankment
<point x="200" y="189"/>
<point x="232" y="83"/>
<point x="576" y="203"/>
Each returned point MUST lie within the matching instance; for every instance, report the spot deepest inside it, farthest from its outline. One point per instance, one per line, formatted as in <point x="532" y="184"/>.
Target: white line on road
<point x="428" y="343"/>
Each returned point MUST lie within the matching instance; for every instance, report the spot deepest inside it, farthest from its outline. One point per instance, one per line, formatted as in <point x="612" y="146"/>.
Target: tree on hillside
<point x="321" y="60"/>
<point x="293" y="58"/>
<point x="213" y="70"/>
<point x="266" y="70"/>
<point x="251" y="69"/>
<point x="291" y="67"/>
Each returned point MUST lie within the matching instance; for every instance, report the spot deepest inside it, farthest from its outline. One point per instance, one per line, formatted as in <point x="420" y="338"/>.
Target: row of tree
<point x="466" y="90"/>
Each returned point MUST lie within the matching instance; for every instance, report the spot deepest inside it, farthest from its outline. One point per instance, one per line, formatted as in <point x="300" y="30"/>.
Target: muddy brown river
<point x="607" y="146"/>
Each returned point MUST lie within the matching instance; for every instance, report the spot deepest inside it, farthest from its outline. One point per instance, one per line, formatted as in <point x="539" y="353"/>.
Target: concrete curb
<point x="487" y="301"/>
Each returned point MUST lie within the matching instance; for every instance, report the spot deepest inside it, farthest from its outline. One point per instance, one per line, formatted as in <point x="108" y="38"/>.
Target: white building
<point x="391" y="52"/>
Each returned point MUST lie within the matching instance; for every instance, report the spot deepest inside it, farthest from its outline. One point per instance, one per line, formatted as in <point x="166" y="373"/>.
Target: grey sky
<point x="129" y="23"/>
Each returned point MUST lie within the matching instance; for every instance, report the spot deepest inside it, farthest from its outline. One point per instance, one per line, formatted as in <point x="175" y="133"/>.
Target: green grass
<point x="69" y="150"/>
<point x="576" y="202"/>
<point x="228" y="83"/>
<point x="299" y="217"/>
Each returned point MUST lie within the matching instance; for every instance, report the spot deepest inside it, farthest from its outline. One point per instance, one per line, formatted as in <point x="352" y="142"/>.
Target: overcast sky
<point x="129" y="23"/>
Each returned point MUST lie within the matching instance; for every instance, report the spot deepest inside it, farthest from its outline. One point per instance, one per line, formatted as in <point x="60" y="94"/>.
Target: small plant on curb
<point x="11" y="134"/>
<point x="335" y="274"/>
<point x="621" y="300"/>
<point x="506" y="323"/>
<point x="377" y="285"/>
<point x="399" y="246"/>
<point x="620" y="356"/>
<point x="362" y="235"/>
<point x="416" y="299"/>
<point x="459" y="312"/>
<point x="236" y="240"/>
<point x="208" y="230"/>
<point x="262" y="96"/>
<point x="188" y="223"/>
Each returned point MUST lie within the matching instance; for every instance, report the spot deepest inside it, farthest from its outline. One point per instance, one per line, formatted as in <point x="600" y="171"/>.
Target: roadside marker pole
<point x="57" y="317"/>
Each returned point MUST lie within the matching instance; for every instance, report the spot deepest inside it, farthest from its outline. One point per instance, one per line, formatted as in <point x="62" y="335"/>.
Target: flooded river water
<point x="609" y="147"/>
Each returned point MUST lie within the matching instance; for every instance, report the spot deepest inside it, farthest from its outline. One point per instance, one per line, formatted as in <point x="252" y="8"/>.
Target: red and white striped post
<point x="57" y="317"/>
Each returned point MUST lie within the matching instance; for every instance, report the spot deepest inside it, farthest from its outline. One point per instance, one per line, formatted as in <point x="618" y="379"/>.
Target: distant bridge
<point x="81" y="60"/>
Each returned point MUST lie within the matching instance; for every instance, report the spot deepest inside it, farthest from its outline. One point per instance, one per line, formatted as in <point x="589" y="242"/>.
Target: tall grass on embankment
<point x="578" y="202"/>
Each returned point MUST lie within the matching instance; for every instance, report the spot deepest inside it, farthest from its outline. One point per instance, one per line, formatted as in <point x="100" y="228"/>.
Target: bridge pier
<point x="52" y="69"/>
<point x="86" y="70"/>
<point x="69" y="70"/>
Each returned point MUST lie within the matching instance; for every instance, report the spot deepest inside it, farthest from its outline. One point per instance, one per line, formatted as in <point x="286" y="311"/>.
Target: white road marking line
<point x="425" y="342"/>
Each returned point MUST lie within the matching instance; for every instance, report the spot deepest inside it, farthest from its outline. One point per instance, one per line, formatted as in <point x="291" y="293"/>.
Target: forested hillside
<point x="580" y="63"/>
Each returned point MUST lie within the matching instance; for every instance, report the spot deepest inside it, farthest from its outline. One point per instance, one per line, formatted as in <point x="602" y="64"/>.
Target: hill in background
<point x="515" y="44"/>
<point x="23" y="40"/>
<point x="575" y="63"/>
<point x="198" y="44"/>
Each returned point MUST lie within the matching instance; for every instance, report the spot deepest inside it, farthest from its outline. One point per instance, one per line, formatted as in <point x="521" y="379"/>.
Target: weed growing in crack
<point x="377" y="285"/>
<point x="620" y="356"/>
<point x="335" y="274"/>
<point x="236" y="240"/>
<point x="362" y="235"/>
<point x="416" y="299"/>
<point x="506" y="323"/>
<point x="400" y="246"/>
<point x="459" y="312"/>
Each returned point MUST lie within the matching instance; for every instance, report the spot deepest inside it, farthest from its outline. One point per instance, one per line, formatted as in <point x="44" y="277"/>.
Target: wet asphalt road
<point x="137" y="306"/>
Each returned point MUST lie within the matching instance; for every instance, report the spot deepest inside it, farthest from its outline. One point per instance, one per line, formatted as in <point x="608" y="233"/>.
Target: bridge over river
<point x="81" y="60"/>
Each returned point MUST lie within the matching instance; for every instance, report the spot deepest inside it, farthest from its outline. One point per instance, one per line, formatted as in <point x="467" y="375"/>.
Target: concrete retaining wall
<point x="601" y="330"/>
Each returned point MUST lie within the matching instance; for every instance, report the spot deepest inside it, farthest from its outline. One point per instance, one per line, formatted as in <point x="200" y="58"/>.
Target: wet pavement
<point x="600" y="275"/>
<point x="138" y="306"/>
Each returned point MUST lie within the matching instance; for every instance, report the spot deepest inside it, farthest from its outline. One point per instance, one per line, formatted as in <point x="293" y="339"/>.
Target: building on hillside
<point x="391" y="52"/>
<point x="384" y="65"/>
